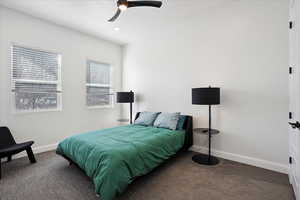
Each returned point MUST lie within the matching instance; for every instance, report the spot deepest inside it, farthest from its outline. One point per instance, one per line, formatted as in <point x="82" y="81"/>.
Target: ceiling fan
<point x="124" y="4"/>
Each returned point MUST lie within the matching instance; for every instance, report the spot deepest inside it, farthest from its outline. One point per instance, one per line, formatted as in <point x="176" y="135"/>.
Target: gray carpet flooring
<point x="51" y="178"/>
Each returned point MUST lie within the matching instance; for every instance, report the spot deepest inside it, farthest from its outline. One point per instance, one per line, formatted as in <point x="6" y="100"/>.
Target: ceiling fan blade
<point x="156" y="4"/>
<point x="115" y="16"/>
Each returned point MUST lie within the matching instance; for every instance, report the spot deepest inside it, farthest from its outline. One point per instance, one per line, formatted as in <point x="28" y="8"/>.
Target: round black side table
<point x="204" y="158"/>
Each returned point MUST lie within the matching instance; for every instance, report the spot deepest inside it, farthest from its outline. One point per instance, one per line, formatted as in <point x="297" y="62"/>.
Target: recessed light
<point x="116" y="28"/>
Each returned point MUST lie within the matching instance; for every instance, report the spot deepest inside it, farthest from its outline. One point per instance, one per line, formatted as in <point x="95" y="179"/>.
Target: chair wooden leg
<point x="30" y="155"/>
<point x="9" y="158"/>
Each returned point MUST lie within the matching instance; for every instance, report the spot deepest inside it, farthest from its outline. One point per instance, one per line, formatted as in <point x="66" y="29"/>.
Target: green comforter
<point x="114" y="157"/>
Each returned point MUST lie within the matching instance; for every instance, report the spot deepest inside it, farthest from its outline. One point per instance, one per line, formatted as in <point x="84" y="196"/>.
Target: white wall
<point x="47" y="128"/>
<point x="240" y="46"/>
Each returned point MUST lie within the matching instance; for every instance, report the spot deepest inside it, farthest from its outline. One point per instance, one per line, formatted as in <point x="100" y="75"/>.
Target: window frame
<point x="13" y="81"/>
<point x="110" y="85"/>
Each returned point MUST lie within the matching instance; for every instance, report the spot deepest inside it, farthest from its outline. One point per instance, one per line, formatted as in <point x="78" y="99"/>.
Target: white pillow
<point x="146" y="118"/>
<point x="167" y="120"/>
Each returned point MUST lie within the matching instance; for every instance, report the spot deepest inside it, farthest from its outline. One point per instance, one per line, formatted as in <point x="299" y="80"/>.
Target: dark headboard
<point x="188" y="127"/>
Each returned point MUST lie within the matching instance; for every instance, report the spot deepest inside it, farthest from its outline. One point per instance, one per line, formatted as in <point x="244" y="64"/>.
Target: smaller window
<point x="98" y="84"/>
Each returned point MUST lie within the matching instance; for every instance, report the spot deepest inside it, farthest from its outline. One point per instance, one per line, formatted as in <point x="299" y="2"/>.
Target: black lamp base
<point x="203" y="159"/>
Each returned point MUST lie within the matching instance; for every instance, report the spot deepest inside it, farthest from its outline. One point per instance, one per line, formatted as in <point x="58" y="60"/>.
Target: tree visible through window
<point x="98" y="84"/>
<point x="36" y="81"/>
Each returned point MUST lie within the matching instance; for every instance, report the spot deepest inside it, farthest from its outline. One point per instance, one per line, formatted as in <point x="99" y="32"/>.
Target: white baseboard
<point x="244" y="159"/>
<point x="45" y="148"/>
<point x="36" y="150"/>
<point x="229" y="156"/>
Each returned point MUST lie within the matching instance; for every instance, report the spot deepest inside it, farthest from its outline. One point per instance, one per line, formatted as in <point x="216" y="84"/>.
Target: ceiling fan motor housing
<point x="122" y="2"/>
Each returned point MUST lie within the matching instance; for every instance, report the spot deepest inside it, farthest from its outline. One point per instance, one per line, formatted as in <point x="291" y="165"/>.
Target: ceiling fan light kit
<point x="122" y="7"/>
<point x="124" y="4"/>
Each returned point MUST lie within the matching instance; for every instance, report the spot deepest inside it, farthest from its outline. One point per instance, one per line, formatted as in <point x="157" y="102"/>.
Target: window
<point x="36" y="79"/>
<point x="98" y="86"/>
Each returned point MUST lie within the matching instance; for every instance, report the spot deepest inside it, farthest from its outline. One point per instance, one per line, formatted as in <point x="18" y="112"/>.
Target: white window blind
<point x="98" y="86"/>
<point x="36" y="79"/>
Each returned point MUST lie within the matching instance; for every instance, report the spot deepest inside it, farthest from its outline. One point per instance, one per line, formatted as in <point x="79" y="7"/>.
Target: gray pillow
<point x="146" y="118"/>
<point x="167" y="120"/>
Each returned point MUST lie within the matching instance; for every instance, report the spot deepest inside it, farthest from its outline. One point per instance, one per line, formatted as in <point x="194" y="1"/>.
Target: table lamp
<point x="126" y="97"/>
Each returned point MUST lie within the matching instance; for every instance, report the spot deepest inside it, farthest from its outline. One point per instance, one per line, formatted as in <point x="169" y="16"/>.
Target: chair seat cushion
<point x="16" y="148"/>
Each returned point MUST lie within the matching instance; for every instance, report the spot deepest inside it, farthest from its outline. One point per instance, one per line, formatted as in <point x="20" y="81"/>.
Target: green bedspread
<point x="114" y="157"/>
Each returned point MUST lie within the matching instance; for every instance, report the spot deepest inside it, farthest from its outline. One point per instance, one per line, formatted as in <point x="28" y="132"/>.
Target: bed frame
<point x="188" y="142"/>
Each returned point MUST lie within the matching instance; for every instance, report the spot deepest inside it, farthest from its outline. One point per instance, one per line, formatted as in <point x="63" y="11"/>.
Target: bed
<point x="114" y="157"/>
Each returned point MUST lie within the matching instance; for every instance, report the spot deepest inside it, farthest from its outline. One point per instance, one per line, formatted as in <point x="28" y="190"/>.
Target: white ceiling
<point x="90" y="16"/>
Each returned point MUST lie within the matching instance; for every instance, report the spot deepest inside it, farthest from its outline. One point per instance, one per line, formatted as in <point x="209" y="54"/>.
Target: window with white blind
<point x="36" y="79"/>
<point x="98" y="84"/>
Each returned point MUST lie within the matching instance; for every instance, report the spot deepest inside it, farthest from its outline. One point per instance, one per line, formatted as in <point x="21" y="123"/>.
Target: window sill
<point x="101" y="107"/>
<point x="16" y="112"/>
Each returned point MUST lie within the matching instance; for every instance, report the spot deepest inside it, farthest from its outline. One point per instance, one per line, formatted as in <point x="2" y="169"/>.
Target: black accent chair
<point x="9" y="147"/>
